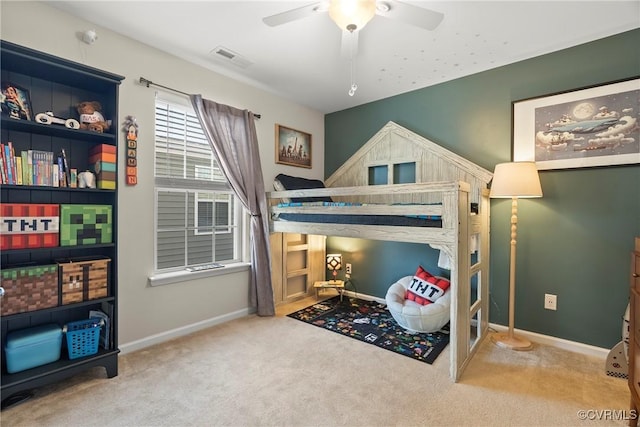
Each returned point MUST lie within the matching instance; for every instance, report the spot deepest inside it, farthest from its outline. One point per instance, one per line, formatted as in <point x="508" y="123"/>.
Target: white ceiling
<point x="301" y="60"/>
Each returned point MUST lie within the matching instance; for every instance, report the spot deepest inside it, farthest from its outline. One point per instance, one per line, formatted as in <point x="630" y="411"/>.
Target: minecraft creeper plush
<point x="85" y="224"/>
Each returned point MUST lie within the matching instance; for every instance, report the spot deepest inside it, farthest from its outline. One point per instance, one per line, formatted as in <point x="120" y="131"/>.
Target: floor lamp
<point x="514" y="180"/>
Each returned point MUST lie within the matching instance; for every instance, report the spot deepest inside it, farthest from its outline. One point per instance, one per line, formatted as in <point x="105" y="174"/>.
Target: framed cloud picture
<point x="293" y="147"/>
<point x="595" y="126"/>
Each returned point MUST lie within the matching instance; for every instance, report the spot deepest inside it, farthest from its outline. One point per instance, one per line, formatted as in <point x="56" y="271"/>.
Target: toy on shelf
<point x="48" y="118"/>
<point x="131" y="129"/>
<point x="91" y="117"/>
<point x="86" y="179"/>
<point x="102" y="159"/>
<point x="85" y="224"/>
<point x="29" y="225"/>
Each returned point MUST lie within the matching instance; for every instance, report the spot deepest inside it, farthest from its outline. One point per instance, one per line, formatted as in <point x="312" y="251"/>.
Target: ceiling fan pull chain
<point x="354" y="86"/>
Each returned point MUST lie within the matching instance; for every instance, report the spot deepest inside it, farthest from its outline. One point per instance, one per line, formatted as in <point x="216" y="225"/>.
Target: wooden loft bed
<point x="447" y="208"/>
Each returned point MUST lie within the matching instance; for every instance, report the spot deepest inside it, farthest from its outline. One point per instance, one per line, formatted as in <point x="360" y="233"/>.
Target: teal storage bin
<point x="28" y="348"/>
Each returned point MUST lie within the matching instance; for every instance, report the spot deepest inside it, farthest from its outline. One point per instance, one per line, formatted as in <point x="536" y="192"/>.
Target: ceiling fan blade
<point x="414" y="15"/>
<point x="349" y="46"/>
<point x="291" y="15"/>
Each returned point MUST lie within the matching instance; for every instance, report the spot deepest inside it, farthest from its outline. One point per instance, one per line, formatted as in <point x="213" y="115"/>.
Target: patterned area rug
<point x="372" y="323"/>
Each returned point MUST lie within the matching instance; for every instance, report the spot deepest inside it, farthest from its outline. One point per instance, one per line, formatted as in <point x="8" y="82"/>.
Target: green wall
<point x="574" y="242"/>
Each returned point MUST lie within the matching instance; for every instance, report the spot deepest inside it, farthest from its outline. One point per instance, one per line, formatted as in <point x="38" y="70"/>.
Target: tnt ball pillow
<point x="425" y="288"/>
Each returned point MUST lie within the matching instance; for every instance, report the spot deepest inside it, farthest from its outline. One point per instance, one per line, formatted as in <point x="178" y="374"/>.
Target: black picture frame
<point x="15" y="102"/>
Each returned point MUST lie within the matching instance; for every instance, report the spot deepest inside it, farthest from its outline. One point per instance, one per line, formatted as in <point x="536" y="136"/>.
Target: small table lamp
<point x="334" y="263"/>
<point x="514" y="180"/>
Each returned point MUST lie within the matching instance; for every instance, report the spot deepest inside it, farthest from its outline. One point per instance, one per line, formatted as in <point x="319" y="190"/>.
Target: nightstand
<point x="338" y="285"/>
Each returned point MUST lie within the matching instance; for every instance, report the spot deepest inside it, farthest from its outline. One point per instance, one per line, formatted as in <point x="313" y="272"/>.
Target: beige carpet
<point x="282" y="372"/>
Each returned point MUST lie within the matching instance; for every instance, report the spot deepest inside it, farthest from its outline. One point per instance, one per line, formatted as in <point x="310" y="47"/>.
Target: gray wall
<point x="574" y="242"/>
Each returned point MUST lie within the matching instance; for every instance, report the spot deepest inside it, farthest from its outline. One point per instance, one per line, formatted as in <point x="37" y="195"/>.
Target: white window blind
<point x="198" y="218"/>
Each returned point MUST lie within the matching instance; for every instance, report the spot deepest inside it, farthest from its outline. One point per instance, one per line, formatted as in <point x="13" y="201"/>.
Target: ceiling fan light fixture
<point x="352" y="15"/>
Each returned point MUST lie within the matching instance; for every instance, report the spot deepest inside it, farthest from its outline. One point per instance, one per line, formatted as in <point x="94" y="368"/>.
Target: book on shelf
<point x="105" y="330"/>
<point x="42" y="162"/>
<point x="12" y="158"/>
<point x="33" y="167"/>
<point x="37" y="167"/>
<point x="55" y="175"/>
<point x="3" y="165"/>
<point x="25" y="169"/>
<point x="10" y="167"/>
<point x="30" y="161"/>
<point x="65" y="166"/>
<point x="18" y="161"/>
<point x="62" y="181"/>
<point x="7" y="163"/>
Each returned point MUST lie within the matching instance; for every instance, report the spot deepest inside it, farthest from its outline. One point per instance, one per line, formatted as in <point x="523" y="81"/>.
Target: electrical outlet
<point x="550" y="301"/>
<point x="348" y="267"/>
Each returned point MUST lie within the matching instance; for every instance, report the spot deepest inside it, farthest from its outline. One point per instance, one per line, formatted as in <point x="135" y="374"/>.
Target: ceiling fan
<point x="352" y="15"/>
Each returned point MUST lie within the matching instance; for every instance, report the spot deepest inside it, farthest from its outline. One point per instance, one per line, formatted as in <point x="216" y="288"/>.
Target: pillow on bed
<point x="286" y="182"/>
<point x="426" y="288"/>
<point x="277" y="185"/>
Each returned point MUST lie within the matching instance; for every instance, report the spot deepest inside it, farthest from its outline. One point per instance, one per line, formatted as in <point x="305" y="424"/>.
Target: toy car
<point x="48" y="118"/>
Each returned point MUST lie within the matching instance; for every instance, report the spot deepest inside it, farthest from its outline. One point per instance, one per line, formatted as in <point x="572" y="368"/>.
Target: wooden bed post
<point x="463" y="282"/>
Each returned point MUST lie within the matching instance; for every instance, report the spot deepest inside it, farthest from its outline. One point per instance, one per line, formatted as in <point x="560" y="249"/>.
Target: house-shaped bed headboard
<point x="396" y="148"/>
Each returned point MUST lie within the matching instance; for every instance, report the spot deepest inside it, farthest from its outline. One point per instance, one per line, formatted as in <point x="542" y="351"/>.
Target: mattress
<point x="335" y="218"/>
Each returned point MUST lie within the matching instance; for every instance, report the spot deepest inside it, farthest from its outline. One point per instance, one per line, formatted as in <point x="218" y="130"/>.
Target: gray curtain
<point x="232" y="135"/>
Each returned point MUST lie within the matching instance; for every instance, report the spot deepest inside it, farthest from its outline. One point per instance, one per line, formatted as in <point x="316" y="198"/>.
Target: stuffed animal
<point x="90" y="116"/>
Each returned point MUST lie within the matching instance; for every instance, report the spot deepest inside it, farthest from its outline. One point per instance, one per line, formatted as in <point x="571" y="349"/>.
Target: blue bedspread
<point x="392" y="220"/>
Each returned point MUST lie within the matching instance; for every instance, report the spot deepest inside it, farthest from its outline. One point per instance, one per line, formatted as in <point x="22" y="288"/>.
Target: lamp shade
<point x="516" y="179"/>
<point x="352" y="15"/>
<point x="334" y="262"/>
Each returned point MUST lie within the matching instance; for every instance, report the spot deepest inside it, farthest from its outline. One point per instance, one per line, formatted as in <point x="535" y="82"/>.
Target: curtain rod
<point x="148" y="83"/>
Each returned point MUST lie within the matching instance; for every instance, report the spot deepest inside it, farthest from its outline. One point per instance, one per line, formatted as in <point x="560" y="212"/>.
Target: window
<point x="209" y="207"/>
<point x="378" y="175"/>
<point x="402" y="173"/>
<point x="198" y="218"/>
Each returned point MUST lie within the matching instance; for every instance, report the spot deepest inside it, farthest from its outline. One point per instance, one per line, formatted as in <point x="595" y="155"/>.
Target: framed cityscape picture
<point x="594" y="126"/>
<point x="293" y="147"/>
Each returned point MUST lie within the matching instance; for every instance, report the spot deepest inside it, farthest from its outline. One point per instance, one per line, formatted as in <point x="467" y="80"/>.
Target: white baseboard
<point x="572" y="346"/>
<point x="182" y="331"/>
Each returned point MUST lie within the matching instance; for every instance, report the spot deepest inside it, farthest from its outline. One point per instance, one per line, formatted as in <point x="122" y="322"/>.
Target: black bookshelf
<point x="58" y="85"/>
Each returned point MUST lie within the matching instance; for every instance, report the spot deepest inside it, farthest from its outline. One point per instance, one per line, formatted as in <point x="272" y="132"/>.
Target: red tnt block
<point x="24" y="225"/>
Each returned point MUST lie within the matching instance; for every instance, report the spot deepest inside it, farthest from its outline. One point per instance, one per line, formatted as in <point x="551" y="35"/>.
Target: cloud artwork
<point x="599" y="126"/>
